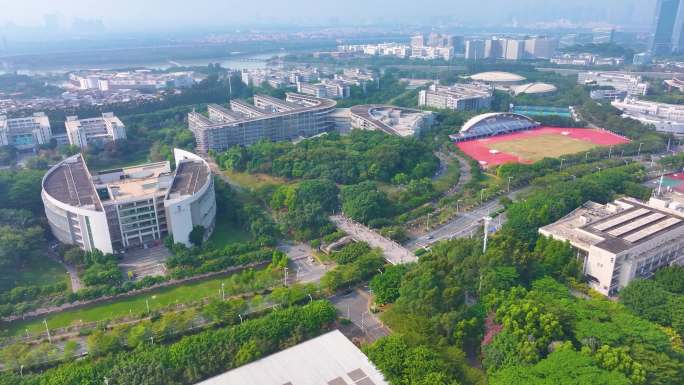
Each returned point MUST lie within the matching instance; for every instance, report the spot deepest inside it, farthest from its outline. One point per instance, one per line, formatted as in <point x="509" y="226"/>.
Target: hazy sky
<point x="141" y="14"/>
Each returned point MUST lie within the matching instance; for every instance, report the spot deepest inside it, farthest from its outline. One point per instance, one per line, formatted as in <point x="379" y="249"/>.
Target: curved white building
<point x="534" y="89"/>
<point x="498" y="78"/>
<point x="493" y="123"/>
<point x="664" y="117"/>
<point x="118" y="209"/>
<point x="393" y="120"/>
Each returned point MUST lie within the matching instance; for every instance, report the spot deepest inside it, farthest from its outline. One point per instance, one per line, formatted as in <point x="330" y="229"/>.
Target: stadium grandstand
<point x="492" y="124"/>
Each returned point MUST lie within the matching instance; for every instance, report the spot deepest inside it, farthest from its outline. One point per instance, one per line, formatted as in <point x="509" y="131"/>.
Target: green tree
<point x="196" y="236"/>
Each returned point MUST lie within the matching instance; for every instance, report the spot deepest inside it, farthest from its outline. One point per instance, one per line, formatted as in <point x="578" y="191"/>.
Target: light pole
<point x="457" y="205"/>
<point x="486" y="233"/>
<point x="599" y="169"/>
<point x="509" y="183"/>
<point x="223" y="291"/>
<point x="639" y="150"/>
<point x="285" y="277"/>
<point x="47" y="330"/>
<point x="147" y="303"/>
<point x="427" y="224"/>
<point x="610" y="152"/>
<point x="482" y="196"/>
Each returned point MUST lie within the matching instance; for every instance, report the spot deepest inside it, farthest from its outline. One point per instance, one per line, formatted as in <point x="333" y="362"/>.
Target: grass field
<point x="36" y="273"/>
<point x="226" y="233"/>
<point x="535" y="148"/>
<point x="119" y="308"/>
<point x="253" y="181"/>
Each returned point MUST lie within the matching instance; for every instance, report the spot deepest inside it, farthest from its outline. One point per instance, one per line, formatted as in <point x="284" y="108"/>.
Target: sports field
<point x="533" y="145"/>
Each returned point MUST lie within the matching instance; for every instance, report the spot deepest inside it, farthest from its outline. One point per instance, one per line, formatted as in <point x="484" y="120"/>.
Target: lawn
<point x="534" y="148"/>
<point x="119" y="308"/>
<point x="253" y="181"/>
<point x="226" y="232"/>
<point x="35" y="273"/>
<point x="449" y="178"/>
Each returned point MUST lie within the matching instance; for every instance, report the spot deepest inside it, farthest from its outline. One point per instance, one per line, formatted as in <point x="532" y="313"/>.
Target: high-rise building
<point x="515" y="49"/>
<point x="541" y="47"/>
<point x="667" y="27"/>
<point x="474" y="49"/>
<point x="495" y="48"/>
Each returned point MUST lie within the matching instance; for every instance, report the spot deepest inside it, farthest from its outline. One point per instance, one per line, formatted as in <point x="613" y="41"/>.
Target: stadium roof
<point x="330" y="359"/>
<point x="497" y="77"/>
<point x="494" y="119"/>
<point x="535" y="88"/>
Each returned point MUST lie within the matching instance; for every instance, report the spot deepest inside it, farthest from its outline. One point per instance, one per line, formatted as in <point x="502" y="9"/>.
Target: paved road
<point x="302" y="267"/>
<point x="394" y="253"/>
<point x="355" y="306"/>
<point x="465" y="224"/>
<point x="76" y="284"/>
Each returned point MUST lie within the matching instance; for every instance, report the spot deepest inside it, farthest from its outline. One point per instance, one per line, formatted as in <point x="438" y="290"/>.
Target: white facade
<point x="390" y="119"/>
<point x="515" y="49"/>
<point x="25" y="133"/>
<point x="126" y="208"/>
<point x="621" y="81"/>
<point x="665" y="117"/>
<point x="460" y="97"/>
<point x="474" y="49"/>
<point x="621" y="241"/>
<point x="94" y="131"/>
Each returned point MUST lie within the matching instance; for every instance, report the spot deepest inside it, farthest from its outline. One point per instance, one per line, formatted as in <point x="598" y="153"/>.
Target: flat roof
<point x="615" y="227"/>
<point x="69" y="182"/>
<point x="136" y="181"/>
<point x="190" y="177"/>
<point x="303" y="103"/>
<point x="377" y="114"/>
<point x="330" y="359"/>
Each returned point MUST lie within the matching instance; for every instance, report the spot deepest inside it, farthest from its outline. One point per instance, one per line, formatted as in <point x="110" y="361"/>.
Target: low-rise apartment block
<point x="622" y="240"/>
<point x="621" y="81"/>
<point x="460" y="97"/>
<point x="94" y="131"/>
<point x="25" y="133"/>
<point x="664" y="117"/>
<point x="268" y="119"/>
<point x="327" y="88"/>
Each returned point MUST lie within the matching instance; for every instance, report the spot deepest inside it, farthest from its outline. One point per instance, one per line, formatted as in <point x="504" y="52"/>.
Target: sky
<point x="169" y="14"/>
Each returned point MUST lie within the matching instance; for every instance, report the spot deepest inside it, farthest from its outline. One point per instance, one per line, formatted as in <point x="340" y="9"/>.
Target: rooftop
<point x="616" y="226"/>
<point x="497" y="76"/>
<point x="69" y="182"/>
<point x="241" y="111"/>
<point x="132" y="182"/>
<point x="390" y="119"/>
<point x="330" y="359"/>
<point x="190" y="177"/>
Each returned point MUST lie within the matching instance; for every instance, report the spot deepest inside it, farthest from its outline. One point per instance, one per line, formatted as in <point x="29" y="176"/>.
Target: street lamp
<point x="639" y="151"/>
<point x="457" y="205"/>
<point x="482" y="196"/>
<point x="509" y="183"/>
<point x="561" y="164"/>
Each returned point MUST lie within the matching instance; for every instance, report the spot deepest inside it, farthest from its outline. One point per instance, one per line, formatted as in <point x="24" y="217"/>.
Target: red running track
<point x="479" y="149"/>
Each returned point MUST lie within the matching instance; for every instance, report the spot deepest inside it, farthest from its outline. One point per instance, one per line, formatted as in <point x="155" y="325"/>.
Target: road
<point x="302" y="266"/>
<point x="355" y="306"/>
<point x="465" y="224"/>
<point x="394" y="253"/>
<point x="76" y="284"/>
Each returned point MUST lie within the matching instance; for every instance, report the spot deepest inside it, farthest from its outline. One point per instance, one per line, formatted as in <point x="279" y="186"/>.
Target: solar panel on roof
<point x="650" y="230"/>
<point x="356" y="374"/>
<point x="337" y="381"/>
<point x="366" y="381"/>
<point x="621" y="219"/>
<point x="636" y="224"/>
